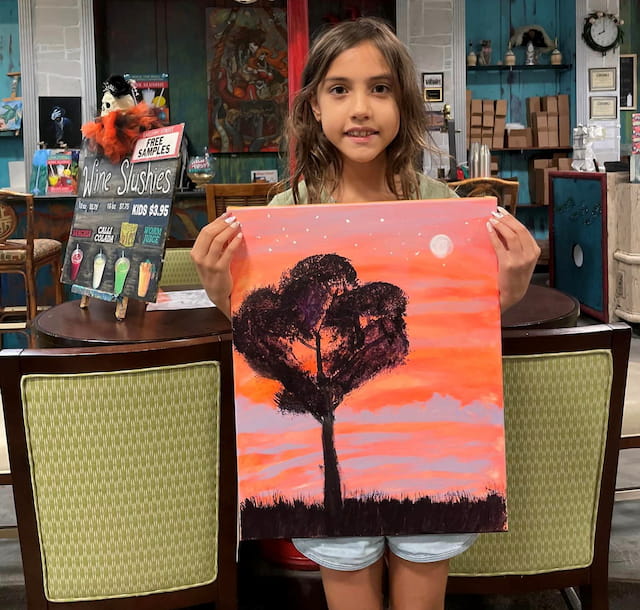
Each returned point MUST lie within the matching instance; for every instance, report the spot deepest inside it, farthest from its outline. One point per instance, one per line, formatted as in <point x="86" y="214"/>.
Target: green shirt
<point x="429" y="189"/>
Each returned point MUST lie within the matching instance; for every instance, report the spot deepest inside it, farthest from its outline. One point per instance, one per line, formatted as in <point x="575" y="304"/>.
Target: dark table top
<point x="542" y="307"/>
<point x="67" y="325"/>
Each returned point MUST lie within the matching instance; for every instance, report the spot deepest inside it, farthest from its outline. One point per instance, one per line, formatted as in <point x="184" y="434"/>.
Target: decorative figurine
<point x="531" y="55"/>
<point x="556" y="56"/>
<point x="472" y="58"/>
<point x="509" y="56"/>
<point x="122" y="119"/>
<point x="484" y="57"/>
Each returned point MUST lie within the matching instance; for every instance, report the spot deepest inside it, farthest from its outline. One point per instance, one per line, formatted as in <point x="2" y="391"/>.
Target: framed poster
<point x="628" y="82"/>
<point x="247" y="78"/>
<point x="433" y="86"/>
<point x="60" y="121"/>
<point x="603" y="107"/>
<point x="602" y="79"/>
<point x="367" y="370"/>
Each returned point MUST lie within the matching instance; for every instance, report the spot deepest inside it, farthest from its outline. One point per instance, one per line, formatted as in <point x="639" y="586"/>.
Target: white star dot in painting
<point x="347" y="220"/>
<point x="441" y="245"/>
<point x="382" y="220"/>
<point x="417" y="253"/>
<point x="269" y="249"/>
<point x="295" y="242"/>
<point x="324" y="237"/>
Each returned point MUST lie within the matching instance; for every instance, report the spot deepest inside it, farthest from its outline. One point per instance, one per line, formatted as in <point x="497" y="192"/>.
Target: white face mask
<point x="111" y="103"/>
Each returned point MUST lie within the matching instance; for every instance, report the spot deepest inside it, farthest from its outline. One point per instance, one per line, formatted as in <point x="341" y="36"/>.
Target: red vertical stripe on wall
<point x="298" y="39"/>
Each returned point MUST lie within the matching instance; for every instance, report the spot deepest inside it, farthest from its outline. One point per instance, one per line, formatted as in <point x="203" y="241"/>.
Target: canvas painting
<point x="247" y="78"/>
<point x="367" y="365"/>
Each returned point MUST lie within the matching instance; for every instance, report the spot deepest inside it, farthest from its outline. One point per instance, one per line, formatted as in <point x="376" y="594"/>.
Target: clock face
<point x="604" y="31"/>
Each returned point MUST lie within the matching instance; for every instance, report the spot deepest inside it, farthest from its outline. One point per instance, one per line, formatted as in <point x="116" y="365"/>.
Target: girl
<point x="359" y="126"/>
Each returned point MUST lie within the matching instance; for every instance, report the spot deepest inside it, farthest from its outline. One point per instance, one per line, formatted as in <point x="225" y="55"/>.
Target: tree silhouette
<point x="321" y="335"/>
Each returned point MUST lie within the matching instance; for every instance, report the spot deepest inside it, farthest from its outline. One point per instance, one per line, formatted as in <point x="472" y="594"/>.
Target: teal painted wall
<point x="630" y="14"/>
<point x="496" y="20"/>
<point x="11" y="148"/>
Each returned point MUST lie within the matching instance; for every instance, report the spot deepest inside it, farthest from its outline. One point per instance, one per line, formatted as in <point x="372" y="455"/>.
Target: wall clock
<point x="602" y="31"/>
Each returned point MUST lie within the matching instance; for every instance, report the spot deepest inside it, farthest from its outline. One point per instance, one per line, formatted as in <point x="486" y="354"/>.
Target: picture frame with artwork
<point x="433" y="86"/>
<point x="602" y="79"/>
<point x="628" y="82"/>
<point x="603" y="107"/>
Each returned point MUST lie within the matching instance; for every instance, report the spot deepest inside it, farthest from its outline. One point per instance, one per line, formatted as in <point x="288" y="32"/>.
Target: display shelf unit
<point x="520" y="68"/>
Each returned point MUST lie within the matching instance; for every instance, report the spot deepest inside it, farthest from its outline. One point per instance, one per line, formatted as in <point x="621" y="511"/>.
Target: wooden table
<point x="66" y="325"/>
<point x="542" y="307"/>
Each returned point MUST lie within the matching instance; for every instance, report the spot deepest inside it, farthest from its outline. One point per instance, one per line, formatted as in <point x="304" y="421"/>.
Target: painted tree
<point x="322" y="334"/>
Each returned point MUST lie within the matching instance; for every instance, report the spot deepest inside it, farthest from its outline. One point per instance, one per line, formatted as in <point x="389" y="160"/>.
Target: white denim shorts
<point x="350" y="554"/>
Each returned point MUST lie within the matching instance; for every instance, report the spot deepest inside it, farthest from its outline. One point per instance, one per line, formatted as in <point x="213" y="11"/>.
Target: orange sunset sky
<point x="431" y="426"/>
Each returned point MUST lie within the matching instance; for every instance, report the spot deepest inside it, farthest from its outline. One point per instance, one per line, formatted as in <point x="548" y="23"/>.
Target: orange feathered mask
<point x="114" y="134"/>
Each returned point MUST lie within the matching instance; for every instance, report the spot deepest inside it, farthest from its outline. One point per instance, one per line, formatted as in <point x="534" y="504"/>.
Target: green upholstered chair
<point x="178" y="269"/>
<point x="123" y="464"/>
<point x="563" y="393"/>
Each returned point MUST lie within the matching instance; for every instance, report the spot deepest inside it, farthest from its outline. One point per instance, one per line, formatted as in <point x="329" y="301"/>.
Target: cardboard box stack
<point x="549" y="120"/>
<point x="485" y="121"/>
<point x="539" y="176"/>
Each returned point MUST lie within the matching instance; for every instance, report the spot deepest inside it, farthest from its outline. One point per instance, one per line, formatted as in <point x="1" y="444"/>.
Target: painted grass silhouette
<point x="373" y="515"/>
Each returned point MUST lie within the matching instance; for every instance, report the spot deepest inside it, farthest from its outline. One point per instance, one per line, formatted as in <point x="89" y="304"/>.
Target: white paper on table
<point x="180" y="299"/>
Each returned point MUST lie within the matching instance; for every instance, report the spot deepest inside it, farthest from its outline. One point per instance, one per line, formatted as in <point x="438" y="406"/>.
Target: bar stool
<point x="25" y="256"/>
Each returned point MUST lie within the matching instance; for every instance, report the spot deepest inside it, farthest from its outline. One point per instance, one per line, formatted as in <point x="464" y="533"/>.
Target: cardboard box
<point x="501" y="108"/>
<point x="550" y="103"/>
<point x="542" y="185"/>
<point x="552" y="119"/>
<point x="564" y="130"/>
<point x="487" y="119"/>
<point x="519" y="138"/>
<point x="563" y="104"/>
<point x="533" y="105"/>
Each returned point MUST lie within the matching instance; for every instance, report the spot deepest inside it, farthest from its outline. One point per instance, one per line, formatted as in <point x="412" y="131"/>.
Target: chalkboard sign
<point x="120" y="221"/>
<point x="628" y="82"/>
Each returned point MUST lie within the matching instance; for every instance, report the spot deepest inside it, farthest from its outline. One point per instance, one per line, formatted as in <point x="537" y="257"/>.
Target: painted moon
<point x="441" y="245"/>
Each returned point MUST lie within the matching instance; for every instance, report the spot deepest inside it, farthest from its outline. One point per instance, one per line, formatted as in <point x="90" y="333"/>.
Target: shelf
<point x="519" y="68"/>
<point x="544" y="149"/>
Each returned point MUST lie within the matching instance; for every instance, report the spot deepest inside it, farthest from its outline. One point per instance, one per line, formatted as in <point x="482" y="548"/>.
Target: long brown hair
<point x="316" y="159"/>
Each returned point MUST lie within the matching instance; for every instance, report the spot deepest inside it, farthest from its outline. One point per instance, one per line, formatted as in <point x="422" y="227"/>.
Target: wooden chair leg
<point x="56" y="271"/>
<point x="31" y="296"/>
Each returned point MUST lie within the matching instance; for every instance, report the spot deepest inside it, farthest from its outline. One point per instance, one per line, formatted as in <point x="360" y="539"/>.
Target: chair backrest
<point x="178" y="269"/>
<point x="563" y="394"/>
<point x="123" y="461"/>
<point x="506" y="191"/>
<point x="9" y="219"/>
<point x="220" y="196"/>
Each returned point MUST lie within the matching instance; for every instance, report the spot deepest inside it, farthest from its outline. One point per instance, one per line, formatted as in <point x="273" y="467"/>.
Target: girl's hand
<point x="212" y="254"/>
<point x="517" y="253"/>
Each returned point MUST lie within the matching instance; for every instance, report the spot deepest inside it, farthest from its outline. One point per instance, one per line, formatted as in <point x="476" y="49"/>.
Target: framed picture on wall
<point x="628" y="82"/>
<point x="433" y="86"/>
<point x="60" y="121"/>
<point x="602" y="79"/>
<point x="603" y="108"/>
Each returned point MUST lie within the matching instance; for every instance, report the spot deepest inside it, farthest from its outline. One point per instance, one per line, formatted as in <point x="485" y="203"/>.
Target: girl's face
<point x="356" y="104"/>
